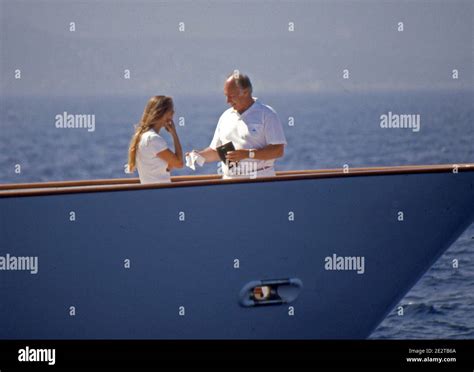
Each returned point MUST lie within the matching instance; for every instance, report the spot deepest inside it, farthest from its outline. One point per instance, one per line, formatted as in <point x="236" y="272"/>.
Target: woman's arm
<point x="174" y="159"/>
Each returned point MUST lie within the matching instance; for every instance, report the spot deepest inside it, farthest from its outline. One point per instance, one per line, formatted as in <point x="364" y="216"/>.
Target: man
<point x="253" y="128"/>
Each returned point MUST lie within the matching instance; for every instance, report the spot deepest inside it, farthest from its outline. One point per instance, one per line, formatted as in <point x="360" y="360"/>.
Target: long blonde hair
<point x="156" y="107"/>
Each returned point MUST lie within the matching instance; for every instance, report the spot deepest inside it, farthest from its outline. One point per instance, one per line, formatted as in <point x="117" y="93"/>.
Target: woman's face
<point x="165" y="119"/>
<point x="168" y="116"/>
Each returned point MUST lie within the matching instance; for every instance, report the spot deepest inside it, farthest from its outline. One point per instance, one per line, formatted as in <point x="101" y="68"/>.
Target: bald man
<point x="253" y="128"/>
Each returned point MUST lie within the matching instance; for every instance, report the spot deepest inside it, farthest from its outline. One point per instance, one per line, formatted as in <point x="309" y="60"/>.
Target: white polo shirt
<point x="150" y="167"/>
<point x="255" y="128"/>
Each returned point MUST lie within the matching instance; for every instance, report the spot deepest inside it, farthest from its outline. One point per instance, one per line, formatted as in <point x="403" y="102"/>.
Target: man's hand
<point x="237" y="155"/>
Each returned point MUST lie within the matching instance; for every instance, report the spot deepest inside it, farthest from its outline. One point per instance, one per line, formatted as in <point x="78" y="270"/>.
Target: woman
<point x="148" y="151"/>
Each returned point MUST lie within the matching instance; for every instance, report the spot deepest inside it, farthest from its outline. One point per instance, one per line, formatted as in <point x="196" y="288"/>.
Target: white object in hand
<point x="194" y="157"/>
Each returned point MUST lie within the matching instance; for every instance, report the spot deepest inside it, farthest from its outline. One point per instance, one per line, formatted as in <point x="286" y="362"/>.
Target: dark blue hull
<point x="183" y="283"/>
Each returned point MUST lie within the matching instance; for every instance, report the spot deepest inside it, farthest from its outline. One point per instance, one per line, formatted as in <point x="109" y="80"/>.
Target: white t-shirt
<point x="256" y="128"/>
<point x="151" y="168"/>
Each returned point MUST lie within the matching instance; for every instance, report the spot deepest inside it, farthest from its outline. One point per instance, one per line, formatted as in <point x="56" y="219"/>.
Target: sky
<point x="221" y="36"/>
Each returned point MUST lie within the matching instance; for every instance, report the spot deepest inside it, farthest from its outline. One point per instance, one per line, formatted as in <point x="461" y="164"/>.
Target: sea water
<point x="323" y="131"/>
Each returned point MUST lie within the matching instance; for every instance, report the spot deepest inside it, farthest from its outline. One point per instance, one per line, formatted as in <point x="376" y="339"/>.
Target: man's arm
<point x="265" y="153"/>
<point x="209" y="154"/>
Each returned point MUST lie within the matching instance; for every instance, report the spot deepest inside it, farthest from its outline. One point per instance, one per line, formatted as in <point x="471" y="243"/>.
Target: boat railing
<point x="117" y="184"/>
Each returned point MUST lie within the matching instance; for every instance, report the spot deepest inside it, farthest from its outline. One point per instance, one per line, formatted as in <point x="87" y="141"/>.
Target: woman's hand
<point x="170" y="127"/>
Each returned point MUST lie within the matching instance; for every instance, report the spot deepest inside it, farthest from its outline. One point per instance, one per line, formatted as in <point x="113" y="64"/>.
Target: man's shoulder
<point x="265" y="108"/>
<point x="227" y="113"/>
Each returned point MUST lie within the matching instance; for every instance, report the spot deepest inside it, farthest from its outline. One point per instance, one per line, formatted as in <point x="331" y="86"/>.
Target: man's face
<point x="235" y="97"/>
